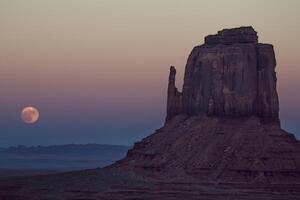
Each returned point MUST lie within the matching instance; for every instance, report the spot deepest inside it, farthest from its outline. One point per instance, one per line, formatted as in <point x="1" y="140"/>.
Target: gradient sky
<point x="97" y="70"/>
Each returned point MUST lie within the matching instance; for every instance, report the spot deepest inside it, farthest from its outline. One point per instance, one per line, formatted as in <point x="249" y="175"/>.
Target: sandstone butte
<point x="223" y="126"/>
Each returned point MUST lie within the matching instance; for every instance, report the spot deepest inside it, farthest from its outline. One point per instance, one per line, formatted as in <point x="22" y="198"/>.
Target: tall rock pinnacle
<point x="224" y="125"/>
<point x="230" y="75"/>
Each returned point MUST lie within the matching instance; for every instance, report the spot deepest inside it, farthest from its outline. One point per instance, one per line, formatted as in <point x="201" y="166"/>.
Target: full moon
<point x="30" y="114"/>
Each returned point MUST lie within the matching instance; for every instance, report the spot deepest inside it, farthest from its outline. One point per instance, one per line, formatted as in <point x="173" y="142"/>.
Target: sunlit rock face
<point x="230" y="75"/>
<point x="224" y="125"/>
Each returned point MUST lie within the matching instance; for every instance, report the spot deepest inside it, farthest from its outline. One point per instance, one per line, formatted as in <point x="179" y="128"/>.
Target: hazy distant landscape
<point x="22" y="160"/>
<point x="149" y="100"/>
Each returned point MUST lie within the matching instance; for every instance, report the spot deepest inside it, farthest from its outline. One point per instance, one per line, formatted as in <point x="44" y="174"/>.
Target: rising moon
<point x="30" y="114"/>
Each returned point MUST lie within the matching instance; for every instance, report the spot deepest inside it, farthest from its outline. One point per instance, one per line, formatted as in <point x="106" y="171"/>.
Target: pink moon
<point x="30" y="114"/>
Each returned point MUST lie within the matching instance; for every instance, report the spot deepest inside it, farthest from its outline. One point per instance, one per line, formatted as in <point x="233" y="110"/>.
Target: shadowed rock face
<point x="230" y="75"/>
<point x="224" y="125"/>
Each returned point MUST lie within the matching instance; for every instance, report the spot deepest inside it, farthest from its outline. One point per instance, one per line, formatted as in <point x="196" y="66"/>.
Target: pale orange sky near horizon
<point x="114" y="56"/>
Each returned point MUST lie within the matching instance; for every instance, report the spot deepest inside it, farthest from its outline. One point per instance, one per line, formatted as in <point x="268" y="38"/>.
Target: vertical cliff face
<point x="230" y="75"/>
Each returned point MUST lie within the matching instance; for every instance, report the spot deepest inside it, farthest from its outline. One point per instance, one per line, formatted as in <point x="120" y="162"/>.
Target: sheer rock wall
<point x="230" y="75"/>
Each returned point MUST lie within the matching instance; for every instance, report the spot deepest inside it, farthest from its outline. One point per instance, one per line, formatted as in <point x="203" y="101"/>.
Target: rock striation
<point x="224" y="125"/>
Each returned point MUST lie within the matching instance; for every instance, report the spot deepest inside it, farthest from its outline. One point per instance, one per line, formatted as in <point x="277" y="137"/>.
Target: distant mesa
<point x="60" y="157"/>
<point x="223" y="126"/>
